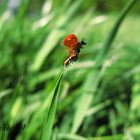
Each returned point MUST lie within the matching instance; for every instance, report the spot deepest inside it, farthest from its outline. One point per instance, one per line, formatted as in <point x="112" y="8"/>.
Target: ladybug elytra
<point x="74" y="47"/>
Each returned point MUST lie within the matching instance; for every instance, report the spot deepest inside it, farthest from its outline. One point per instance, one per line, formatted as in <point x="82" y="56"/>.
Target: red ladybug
<point x="73" y="46"/>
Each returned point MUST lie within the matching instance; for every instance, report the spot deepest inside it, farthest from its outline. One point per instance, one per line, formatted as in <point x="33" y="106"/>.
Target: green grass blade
<point x="111" y="36"/>
<point x="50" y="116"/>
<point x="113" y="137"/>
<point x="49" y="44"/>
<point x="5" y="92"/>
<point x="94" y="77"/>
<point x="71" y="137"/>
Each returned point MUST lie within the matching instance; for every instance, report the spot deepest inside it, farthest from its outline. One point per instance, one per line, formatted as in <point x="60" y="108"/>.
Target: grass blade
<point x="93" y="79"/>
<point x="111" y="36"/>
<point x="50" y="116"/>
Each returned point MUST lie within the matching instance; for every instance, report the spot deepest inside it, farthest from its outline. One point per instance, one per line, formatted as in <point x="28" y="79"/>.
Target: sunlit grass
<point x="94" y="103"/>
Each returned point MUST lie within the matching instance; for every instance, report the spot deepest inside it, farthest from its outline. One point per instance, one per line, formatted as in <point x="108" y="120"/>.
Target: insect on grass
<point x="74" y="47"/>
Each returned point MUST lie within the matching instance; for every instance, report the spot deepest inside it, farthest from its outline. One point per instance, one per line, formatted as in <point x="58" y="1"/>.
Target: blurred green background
<point x="31" y="58"/>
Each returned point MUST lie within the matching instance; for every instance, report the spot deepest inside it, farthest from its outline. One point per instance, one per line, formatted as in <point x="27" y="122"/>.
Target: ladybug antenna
<point x="83" y="42"/>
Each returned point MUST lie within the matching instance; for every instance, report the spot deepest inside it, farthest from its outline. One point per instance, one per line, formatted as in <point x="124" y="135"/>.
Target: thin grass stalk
<point x="112" y="35"/>
<point x="94" y="77"/>
<point x="50" y="115"/>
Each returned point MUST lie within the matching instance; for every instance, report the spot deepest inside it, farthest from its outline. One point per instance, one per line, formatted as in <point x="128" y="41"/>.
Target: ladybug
<point x="74" y="47"/>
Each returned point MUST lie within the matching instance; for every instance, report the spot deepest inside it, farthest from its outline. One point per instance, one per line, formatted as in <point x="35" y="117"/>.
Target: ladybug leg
<point x="67" y="64"/>
<point x="71" y="58"/>
<point x="67" y="61"/>
<point x="83" y="42"/>
<point x="74" y="55"/>
<point x="75" y="58"/>
<point x="80" y="44"/>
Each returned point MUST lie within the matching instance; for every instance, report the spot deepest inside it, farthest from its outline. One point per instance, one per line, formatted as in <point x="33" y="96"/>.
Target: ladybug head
<point x="70" y="40"/>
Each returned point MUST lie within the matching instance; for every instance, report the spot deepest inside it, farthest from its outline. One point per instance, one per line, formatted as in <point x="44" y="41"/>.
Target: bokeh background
<point x="31" y="59"/>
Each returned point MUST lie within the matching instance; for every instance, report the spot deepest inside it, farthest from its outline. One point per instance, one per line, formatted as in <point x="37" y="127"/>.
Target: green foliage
<point x="50" y="115"/>
<point x="99" y="95"/>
